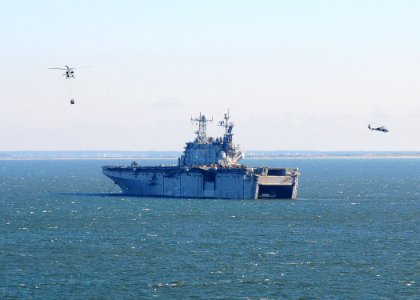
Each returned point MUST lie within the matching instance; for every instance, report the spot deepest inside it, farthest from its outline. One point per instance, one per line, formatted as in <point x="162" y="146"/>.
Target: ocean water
<point x="66" y="233"/>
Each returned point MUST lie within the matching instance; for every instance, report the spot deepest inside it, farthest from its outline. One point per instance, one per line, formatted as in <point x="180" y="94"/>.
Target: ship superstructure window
<point x="275" y="172"/>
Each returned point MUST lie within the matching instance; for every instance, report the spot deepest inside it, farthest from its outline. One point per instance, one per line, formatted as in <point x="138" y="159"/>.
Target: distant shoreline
<point x="86" y="158"/>
<point x="336" y="156"/>
<point x="173" y="155"/>
<point x="251" y="157"/>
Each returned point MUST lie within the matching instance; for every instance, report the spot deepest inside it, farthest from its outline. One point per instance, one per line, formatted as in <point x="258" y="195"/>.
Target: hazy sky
<point x="296" y="75"/>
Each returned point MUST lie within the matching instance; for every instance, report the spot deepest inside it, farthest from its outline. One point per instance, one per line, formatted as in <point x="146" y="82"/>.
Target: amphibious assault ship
<point x="208" y="168"/>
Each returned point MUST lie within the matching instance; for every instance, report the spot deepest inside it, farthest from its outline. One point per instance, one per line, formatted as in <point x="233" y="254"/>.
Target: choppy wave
<point x="353" y="234"/>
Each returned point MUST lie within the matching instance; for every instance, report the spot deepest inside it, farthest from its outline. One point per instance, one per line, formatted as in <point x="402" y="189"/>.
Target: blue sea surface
<point x="67" y="233"/>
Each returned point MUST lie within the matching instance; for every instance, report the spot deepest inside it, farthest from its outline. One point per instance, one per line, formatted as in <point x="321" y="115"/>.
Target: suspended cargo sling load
<point x="208" y="168"/>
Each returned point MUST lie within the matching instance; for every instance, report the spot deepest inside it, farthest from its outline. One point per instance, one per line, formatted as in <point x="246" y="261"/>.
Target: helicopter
<point x="72" y="101"/>
<point x="382" y="128"/>
<point x="69" y="71"/>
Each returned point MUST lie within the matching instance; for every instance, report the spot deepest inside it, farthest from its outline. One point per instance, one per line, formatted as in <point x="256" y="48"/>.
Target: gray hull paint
<point x="208" y="168"/>
<point x="223" y="183"/>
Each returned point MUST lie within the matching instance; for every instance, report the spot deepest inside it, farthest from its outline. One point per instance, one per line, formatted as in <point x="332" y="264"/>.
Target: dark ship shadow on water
<point x="120" y="195"/>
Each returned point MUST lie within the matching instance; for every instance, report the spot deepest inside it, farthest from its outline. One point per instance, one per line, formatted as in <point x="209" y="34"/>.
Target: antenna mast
<point x="226" y="124"/>
<point x="202" y="128"/>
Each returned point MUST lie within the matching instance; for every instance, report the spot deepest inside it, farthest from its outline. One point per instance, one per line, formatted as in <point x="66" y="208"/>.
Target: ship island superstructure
<point x="208" y="168"/>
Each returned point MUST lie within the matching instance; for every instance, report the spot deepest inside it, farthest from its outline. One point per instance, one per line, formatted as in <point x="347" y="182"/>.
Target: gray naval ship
<point x="208" y="168"/>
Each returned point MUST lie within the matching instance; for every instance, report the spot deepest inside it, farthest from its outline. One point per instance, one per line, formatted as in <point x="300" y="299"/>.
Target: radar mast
<point x="228" y="128"/>
<point x="202" y="128"/>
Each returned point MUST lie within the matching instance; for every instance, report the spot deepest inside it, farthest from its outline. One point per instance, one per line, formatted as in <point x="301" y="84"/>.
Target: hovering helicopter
<point x="69" y="71"/>
<point x="72" y="101"/>
<point x="382" y="128"/>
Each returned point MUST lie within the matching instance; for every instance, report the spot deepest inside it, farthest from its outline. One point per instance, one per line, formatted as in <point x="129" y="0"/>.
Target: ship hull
<point x="205" y="182"/>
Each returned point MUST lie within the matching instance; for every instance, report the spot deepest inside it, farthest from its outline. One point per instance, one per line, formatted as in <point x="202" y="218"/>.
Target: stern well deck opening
<point x="274" y="192"/>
